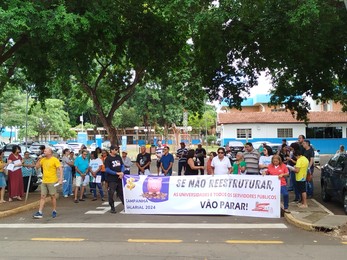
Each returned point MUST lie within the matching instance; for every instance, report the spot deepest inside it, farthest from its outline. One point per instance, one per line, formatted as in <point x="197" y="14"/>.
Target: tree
<point x="42" y="118"/>
<point x="302" y="45"/>
<point x="120" y="46"/>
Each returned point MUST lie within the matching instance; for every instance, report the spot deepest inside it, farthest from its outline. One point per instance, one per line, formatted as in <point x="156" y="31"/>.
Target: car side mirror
<point x="339" y="168"/>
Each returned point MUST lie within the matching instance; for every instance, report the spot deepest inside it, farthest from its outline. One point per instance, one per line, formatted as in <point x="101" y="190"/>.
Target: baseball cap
<point x="113" y="147"/>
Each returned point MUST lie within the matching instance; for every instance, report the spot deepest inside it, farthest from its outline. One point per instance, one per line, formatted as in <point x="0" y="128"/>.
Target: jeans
<point x="67" y="186"/>
<point x="181" y="165"/>
<point x="285" y="195"/>
<point x="95" y="185"/>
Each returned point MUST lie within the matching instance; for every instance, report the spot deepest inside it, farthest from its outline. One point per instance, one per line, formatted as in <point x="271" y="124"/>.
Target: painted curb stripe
<point x="145" y="226"/>
<point x="154" y="241"/>
<point x="253" y="242"/>
<point x="57" y="239"/>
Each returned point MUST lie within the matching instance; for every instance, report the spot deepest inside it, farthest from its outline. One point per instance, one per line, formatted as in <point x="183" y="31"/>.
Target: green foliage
<point x="211" y="139"/>
<point x="42" y="118"/>
<point x="206" y="121"/>
<point x="302" y="44"/>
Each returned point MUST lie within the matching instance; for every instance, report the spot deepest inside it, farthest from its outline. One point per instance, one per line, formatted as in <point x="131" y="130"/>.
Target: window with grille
<point x="244" y="133"/>
<point x="284" y="132"/>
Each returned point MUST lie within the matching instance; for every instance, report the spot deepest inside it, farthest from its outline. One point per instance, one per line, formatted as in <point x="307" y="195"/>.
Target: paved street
<point x="88" y="230"/>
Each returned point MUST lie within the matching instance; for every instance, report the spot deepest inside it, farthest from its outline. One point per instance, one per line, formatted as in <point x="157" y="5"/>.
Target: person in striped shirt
<point x="251" y="157"/>
<point x="182" y="155"/>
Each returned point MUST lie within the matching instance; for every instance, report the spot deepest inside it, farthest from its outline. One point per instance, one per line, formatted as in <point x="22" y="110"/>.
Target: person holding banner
<point x="277" y="167"/>
<point x="192" y="167"/>
<point x="239" y="166"/>
<point x="143" y="161"/>
<point x="114" y="165"/>
<point x="221" y="164"/>
<point x="252" y="159"/>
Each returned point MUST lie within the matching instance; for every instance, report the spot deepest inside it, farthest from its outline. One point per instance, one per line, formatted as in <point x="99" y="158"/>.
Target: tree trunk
<point x="112" y="134"/>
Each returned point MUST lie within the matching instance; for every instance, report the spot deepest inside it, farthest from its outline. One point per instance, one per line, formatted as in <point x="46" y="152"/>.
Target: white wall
<point x="270" y="130"/>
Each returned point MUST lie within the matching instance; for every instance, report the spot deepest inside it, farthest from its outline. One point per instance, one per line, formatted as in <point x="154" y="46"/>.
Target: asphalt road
<point x="87" y="231"/>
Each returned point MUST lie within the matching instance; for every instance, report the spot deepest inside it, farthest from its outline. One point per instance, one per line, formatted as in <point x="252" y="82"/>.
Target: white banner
<point x="240" y="195"/>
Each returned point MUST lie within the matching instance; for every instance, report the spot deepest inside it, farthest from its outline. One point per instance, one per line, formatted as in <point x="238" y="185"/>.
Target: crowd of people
<point x="293" y="164"/>
<point x="103" y="170"/>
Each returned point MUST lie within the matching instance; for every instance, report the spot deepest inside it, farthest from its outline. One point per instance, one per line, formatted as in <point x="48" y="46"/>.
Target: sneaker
<point x="113" y="211"/>
<point x="102" y="199"/>
<point x="54" y="214"/>
<point x="65" y="196"/>
<point x="38" y="215"/>
<point x="72" y="194"/>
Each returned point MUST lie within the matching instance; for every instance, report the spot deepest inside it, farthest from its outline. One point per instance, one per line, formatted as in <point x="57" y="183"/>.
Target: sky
<point x="263" y="87"/>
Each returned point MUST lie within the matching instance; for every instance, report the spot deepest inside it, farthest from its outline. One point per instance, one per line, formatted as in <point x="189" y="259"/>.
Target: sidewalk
<point x="314" y="218"/>
<point x="14" y="207"/>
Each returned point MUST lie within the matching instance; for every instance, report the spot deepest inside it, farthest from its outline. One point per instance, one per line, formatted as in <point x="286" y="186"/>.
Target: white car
<point x="76" y="147"/>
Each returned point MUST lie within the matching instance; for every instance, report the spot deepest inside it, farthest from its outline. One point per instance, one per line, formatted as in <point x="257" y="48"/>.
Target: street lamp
<point x="136" y="128"/>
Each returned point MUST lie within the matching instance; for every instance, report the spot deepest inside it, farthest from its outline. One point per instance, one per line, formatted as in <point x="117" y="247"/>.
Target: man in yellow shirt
<point x="300" y="170"/>
<point x="50" y="165"/>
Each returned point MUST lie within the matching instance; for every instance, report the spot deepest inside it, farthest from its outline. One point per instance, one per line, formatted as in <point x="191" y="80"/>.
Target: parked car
<point x="60" y="148"/>
<point x="92" y="147"/>
<point x="274" y="147"/>
<point x="76" y="147"/>
<point x="8" y="150"/>
<point x="316" y="156"/>
<point x="35" y="147"/>
<point x="235" y="147"/>
<point x="334" y="179"/>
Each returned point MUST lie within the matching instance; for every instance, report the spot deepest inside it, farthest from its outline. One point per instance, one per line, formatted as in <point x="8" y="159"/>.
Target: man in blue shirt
<point x="82" y="173"/>
<point x="166" y="162"/>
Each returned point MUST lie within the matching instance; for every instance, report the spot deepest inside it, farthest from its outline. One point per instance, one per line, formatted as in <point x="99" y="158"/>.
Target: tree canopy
<point x="105" y="51"/>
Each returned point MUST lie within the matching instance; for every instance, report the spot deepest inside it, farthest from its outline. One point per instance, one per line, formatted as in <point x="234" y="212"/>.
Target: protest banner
<point x="241" y="195"/>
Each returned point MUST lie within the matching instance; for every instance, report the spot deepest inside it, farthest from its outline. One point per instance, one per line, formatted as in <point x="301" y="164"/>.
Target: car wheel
<point x="345" y="202"/>
<point x="325" y="196"/>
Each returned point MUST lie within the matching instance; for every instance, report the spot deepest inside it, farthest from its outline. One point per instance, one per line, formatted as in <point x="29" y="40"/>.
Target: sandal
<point x="2" y="201"/>
<point x="19" y="198"/>
<point x="10" y="200"/>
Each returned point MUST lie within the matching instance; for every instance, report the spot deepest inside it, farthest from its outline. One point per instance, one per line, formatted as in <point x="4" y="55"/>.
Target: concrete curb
<point x="26" y="207"/>
<point x="298" y="223"/>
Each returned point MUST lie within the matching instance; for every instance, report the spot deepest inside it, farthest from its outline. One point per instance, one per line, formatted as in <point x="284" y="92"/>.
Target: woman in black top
<point x="192" y="168"/>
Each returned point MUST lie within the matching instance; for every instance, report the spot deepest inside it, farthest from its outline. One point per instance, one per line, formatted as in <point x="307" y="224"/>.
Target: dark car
<point x="334" y="179"/>
<point x="235" y="147"/>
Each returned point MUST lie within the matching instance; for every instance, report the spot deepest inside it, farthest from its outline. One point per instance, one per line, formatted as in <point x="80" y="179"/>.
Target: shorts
<point x="80" y="182"/>
<point x="48" y="189"/>
<point x="301" y="186"/>
<point x="158" y="163"/>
